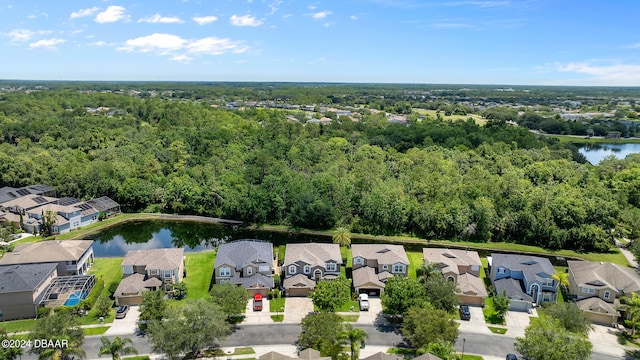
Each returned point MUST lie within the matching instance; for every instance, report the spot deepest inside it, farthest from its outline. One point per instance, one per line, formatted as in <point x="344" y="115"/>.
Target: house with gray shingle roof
<point x="373" y="264"/>
<point x="526" y="279"/>
<point x="248" y="263"/>
<point x="597" y="286"/>
<point x="313" y="261"/>
<point x="464" y="268"/>
<point x="148" y="270"/>
<point x="22" y="288"/>
<point x="74" y="257"/>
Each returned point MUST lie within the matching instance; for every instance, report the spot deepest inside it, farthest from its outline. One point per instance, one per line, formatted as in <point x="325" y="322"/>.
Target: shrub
<point x="113" y="286"/>
<point x="90" y="300"/>
<point x="43" y="311"/>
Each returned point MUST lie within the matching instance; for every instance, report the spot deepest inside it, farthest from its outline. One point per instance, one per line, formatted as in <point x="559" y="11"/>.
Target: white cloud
<point x="312" y="7"/>
<point x="46" y="43"/>
<point x="603" y="74"/>
<point x="204" y="20"/>
<point x="274" y="6"/>
<point x="32" y="16"/>
<point x="98" y="43"/>
<point x="353" y="17"/>
<point x="246" y="20"/>
<point x="112" y="14"/>
<point x="158" y="19"/>
<point x="320" y="15"/>
<point x="84" y="12"/>
<point x="20" y="35"/>
<point x="170" y="45"/>
<point x="481" y="3"/>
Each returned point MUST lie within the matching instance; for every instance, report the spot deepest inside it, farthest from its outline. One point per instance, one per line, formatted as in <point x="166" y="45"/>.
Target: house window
<point x="225" y="271"/>
<point x="331" y="266"/>
<point x="398" y="268"/>
<point x="547" y="282"/>
<point x="607" y="295"/>
<point x="501" y="270"/>
<point x="358" y="261"/>
<point x="167" y="273"/>
<point x="152" y="272"/>
<point x="249" y="270"/>
<point x="306" y="269"/>
<point x="385" y="267"/>
<point x="292" y="269"/>
<point x="587" y="290"/>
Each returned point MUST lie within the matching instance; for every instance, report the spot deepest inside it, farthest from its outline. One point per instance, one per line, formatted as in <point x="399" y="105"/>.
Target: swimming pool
<point x="75" y="298"/>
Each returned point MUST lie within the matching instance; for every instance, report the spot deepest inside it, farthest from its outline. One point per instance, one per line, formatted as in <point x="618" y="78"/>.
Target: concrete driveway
<point x="517" y="321"/>
<point x="296" y="308"/>
<point x="476" y="324"/>
<point x="375" y="309"/>
<point x="127" y="325"/>
<point x="605" y="340"/>
<point x="257" y="317"/>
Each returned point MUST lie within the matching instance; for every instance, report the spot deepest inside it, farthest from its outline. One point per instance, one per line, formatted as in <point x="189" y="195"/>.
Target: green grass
<point x="472" y="357"/>
<point x="276" y="304"/>
<point x="349" y="318"/>
<point x="142" y="357"/>
<point x="236" y="351"/>
<point x="401" y="351"/>
<point x="349" y="306"/>
<point x="592" y="140"/>
<point x="489" y="312"/>
<point x="497" y="330"/>
<point x="18" y="325"/>
<point x="277" y="318"/>
<point x="433" y="113"/>
<point x="346" y="255"/>
<point x="92" y="318"/>
<point x="109" y="269"/>
<point x="199" y="268"/>
<point x="415" y="263"/>
<point x="95" y="331"/>
<point x="282" y="251"/>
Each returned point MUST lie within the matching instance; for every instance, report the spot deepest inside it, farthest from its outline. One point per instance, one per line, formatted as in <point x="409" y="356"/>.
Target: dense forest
<point x="432" y="178"/>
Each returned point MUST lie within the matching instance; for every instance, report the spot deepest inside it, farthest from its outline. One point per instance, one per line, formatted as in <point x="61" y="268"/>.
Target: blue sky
<point x="529" y="42"/>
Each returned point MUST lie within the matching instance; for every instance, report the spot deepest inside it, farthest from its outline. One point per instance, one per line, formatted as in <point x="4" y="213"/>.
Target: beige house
<point x="248" y="263"/>
<point x="306" y="264"/>
<point x="464" y="268"/>
<point x="597" y="286"/>
<point x="22" y="288"/>
<point x="73" y="257"/>
<point x="144" y="270"/>
<point x="373" y="264"/>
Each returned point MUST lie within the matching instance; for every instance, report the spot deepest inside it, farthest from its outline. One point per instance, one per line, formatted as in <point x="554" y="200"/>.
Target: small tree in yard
<point x="330" y="295"/>
<point x="103" y="305"/>
<point x="546" y="339"/>
<point x="323" y="331"/>
<point x="118" y="346"/>
<point x="501" y="304"/>
<point x="401" y="293"/>
<point x="231" y="298"/>
<point x="424" y="325"/>
<point x="153" y="306"/>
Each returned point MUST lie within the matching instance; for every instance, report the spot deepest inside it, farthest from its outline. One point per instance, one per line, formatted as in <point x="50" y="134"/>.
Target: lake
<point x="596" y="152"/>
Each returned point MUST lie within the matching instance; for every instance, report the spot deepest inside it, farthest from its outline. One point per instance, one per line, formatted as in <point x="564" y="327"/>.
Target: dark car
<point x="465" y="314"/>
<point x="511" y="357"/>
<point x="122" y="311"/>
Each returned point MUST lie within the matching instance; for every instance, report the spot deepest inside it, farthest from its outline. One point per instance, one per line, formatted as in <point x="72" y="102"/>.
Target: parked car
<point x="465" y="314"/>
<point x="257" y="302"/>
<point x="511" y="357"/>
<point x="363" y="300"/>
<point x="122" y="311"/>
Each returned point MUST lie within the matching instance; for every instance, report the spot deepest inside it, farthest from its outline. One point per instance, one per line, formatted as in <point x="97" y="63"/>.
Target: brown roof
<point x="448" y="260"/>
<point x="311" y="354"/>
<point x="314" y="254"/>
<point x="596" y="274"/>
<point x="383" y="253"/>
<point x="597" y="305"/>
<point x="427" y="356"/>
<point x="366" y="276"/>
<point x="163" y="259"/>
<point x="272" y="355"/>
<point x="383" y="356"/>
<point x="471" y="285"/>
<point x="46" y="251"/>
<point x="28" y="201"/>
<point x="135" y="284"/>
<point x="299" y="281"/>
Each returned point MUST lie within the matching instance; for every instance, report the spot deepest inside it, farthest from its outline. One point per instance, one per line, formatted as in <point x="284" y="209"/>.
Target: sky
<point x="513" y="42"/>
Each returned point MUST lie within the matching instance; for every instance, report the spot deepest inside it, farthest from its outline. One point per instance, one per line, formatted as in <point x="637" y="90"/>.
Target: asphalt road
<point x="269" y="334"/>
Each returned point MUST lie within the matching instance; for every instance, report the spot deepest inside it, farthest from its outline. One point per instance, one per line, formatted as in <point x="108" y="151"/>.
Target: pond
<point x="193" y="236"/>
<point x="596" y="152"/>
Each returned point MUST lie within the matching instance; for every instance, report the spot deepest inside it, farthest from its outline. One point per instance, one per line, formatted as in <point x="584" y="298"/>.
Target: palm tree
<point x="355" y="336"/>
<point x="119" y="346"/>
<point x="427" y="271"/>
<point x="342" y="237"/>
<point x="631" y="305"/>
<point x="64" y="352"/>
<point x="563" y="280"/>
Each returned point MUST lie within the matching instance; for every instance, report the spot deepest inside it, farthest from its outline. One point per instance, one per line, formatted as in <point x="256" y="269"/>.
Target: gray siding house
<point x="306" y="264"/>
<point x="248" y="263"/>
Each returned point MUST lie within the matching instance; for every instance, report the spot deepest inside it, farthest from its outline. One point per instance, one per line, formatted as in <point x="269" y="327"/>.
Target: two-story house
<point x="22" y="288"/>
<point x="144" y="270"/>
<point x="306" y="264"/>
<point x="73" y="257"/>
<point x="597" y="286"/>
<point x="246" y="262"/>
<point x="373" y="264"/>
<point x="526" y="279"/>
<point x="463" y="267"/>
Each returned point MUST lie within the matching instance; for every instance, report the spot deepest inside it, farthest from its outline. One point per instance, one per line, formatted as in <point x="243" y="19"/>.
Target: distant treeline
<point x="433" y="179"/>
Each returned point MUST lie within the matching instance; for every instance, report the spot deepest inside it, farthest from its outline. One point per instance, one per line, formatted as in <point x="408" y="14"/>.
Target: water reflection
<point x="597" y="152"/>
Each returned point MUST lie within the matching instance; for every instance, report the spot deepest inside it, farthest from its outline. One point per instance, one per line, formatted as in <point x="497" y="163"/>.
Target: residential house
<point x="246" y="262"/>
<point x="306" y="264"/>
<point x="597" y="287"/>
<point x="384" y="356"/>
<point x="9" y="193"/>
<point x="463" y="267"/>
<point x="526" y="279"/>
<point x="144" y="270"/>
<point x="312" y="354"/>
<point x="373" y="264"/>
<point x="23" y="287"/>
<point x="73" y="257"/>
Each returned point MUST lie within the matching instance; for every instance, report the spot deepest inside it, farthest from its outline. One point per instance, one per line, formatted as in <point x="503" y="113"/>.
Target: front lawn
<point x="18" y="325"/>
<point x="95" y="331"/>
<point x="489" y="312"/>
<point x="199" y="267"/>
<point x="497" y="330"/>
<point x="277" y="304"/>
<point x="349" y="318"/>
<point x="415" y="263"/>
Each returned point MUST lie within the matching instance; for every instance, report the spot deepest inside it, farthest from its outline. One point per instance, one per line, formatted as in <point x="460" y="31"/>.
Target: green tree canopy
<point x="61" y="328"/>
<point x="116" y="347"/>
<point x="441" y="293"/>
<point x="231" y="298"/>
<point x="322" y="331"/>
<point x="401" y="293"/>
<point x="330" y="295"/>
<point x="570" y="317"/>
<point x="153" y="306"/>
<point x="424" y="325"/>
<point x="546" y="339"/>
